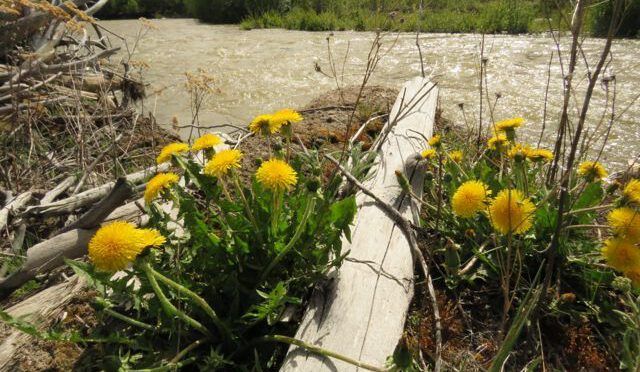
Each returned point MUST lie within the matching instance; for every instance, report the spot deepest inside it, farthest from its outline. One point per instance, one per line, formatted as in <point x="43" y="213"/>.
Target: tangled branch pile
<point x="67" y="121"/>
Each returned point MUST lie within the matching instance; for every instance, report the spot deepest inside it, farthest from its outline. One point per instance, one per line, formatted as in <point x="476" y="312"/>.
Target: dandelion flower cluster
<point x="632" y="191"/>
<point x="519" y="152"/>
<point x="277" y="175"/>
<point x="171" y="149"/>
<point x="263" y="124"/>
<point x="625" y="222"/>
<point x="511" y="212"/>
<point x="435" y="141"/>
<point x="223" y="162"/>
<point x="428" y="154"/>
<point x="116" y="245"/>
<point x="621" y="254"/>
<point x="540" y="155"/>
<point x="592" y="170"/>
<point x="509" y="124"/>
<point x="272" y="123"/>
<point x="158" y="183"/>
<point x="470" y="198"/>
<point x="456" y="156"/>
<point x="285" y="117"/>
<point x="497" y="142"/>
<point x="207" y="141"/>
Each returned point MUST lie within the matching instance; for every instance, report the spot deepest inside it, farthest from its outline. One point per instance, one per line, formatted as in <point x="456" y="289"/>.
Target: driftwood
<point x="362" y="313"/>
<point x="90" y="196"/>
<point x="40" y="308"/>
<point x="71" y="243"/>
<point x="13" y="206"/>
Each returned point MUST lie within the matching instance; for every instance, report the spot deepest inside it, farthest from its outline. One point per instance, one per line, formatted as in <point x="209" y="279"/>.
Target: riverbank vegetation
<point x="489" y="16"/>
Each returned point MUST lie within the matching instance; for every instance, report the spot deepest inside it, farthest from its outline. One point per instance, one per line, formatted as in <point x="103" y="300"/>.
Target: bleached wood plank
<point x="362" y="313"/>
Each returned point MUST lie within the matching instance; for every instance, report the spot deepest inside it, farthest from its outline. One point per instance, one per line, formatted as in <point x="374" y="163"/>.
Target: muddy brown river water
<point x="261" y="70"/>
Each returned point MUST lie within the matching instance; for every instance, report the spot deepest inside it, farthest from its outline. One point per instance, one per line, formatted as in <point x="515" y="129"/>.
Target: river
<point x="262" y="70"/>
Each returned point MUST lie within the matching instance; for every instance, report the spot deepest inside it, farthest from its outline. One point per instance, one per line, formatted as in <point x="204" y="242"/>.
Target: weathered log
<point x="41" y="308"/>
<point x="362" y="313"/>
<point x="70" y="243"/>
<point x="60" y="188"/>
<point x="14" y="205"/>
<point x="90" y="196"/>
<point x="94" y="217"/>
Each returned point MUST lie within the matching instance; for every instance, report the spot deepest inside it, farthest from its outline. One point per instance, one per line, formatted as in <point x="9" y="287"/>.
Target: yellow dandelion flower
<point x="540" y="155"/>
<point x="509" y="124"/>
<point x="207" y="141"/>
<point x="222" y="162"/>
<point x="632" y="191"/>
<point x="510" y="211"/>
<point x="497" y="142"/>
<point x="171" y="149"/>
<point x="285" y="117"/>
<point x="158" y="183"/>
<point x="621" y="254"/>
<point x="470" y="198"/>
<point x="592" y="170"/>
<point x="276" y="175"/>
<point x="456" y="156"/>
<point x="625" y="222"/>
<point x="435" y="141"/>
<point x="263" y="124"/>
<point x="634" y="275"/>
<point x="519" y="152"/>
<point x="116" y="245"/>
<point x="428" y="154"/>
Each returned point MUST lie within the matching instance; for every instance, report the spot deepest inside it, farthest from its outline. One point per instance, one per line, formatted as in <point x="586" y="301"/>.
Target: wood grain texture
<point x="361" y="314"/>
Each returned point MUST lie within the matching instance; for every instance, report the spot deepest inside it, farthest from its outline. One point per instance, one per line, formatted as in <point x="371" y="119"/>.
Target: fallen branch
<point x="90" y="196"/>
<point x="70" y="244"/>
<point x="11" y="207"/>
<point x="405" y="226"/>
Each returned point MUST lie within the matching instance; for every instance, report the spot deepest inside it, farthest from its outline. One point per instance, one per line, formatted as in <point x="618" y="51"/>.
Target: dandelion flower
<point x="171" y="149"/>
<point x="540" y="155"/>
<point x="158" y="183"/>
<point x="621" y="254"/>
<point x="509" y="124"/>
<point x="632" y="191"/>
<point x="116" y="245"/>
<point x="435" y="141"/>
<point x="263" y="124"/>
<point x="634" y="275"/>
<point x="625" y="222"/>
<point x="428" y="154"/>
<point x="497" y="142"/>
<point x="592" y="170"/>
<point x="207" y="141"/>
<point x="276" y="175"/>
<point x="285" y="117"/>
<point x="456" y="156"/>
<point x="510" y="211"/>
<point x="519" y="152"/>
<point x="470" y="198"/>
<point x="222" y="162"/>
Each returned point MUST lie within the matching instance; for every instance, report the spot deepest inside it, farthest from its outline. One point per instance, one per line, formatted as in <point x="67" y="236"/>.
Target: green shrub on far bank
<point x="492" y="16"/>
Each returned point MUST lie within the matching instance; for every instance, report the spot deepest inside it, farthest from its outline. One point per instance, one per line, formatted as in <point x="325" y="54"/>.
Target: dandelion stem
<point x="167" y="306"/>
<point x="245" y="202"/>
<point x="129" y="320"/>
<point x="597" y="207"/>
<point x="310" y="205"/>
<point x="197" y="299"/>
<point x="587" y="227"/>
<point x="318" y="350"/>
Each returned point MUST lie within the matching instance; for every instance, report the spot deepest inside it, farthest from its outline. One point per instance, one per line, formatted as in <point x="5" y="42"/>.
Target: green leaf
<point x="342" y="214"/>
<point x="591" y="196"/>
